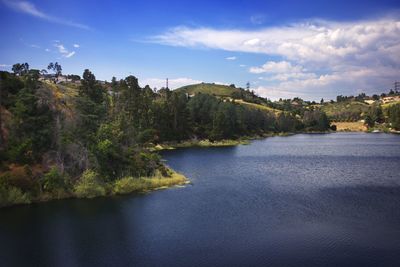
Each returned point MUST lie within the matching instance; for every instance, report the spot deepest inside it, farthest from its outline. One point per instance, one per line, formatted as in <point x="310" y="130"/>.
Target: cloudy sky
<point x="310" y="49"/>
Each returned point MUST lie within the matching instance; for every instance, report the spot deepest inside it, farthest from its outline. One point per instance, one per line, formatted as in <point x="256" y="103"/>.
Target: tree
<point x="56" y="68"/>
<point x="20" y="69"/>
<point x="369" y="121"/>
<point x="375" y="114"/>
<point x="31" y="131"/>
<point x="91" y="106"/>
<point x="394" y="116"/>
<point x="316" y="120"/>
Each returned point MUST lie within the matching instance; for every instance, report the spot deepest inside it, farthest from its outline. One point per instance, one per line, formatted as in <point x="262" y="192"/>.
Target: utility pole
<point x="167" y="84"/>
<point x="397" y="86"/>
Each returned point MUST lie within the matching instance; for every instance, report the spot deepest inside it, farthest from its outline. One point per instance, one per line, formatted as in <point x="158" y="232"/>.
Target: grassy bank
<point x="145" y="184"/>
<point x="90" y="185"/>
<point x="200" y="143"/>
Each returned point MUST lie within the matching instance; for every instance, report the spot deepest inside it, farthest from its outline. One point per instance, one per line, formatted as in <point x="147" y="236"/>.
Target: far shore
<point x="359" y="126"/>
<point x="205" y="143"/>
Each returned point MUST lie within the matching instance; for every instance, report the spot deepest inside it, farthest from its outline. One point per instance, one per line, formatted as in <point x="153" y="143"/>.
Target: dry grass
<point x="257" y="106"/>
<point x="357" y="126"/>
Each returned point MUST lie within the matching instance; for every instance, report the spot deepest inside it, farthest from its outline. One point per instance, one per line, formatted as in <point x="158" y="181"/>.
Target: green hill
<point x="241" y="96"/>
<point x="346" y="110"/>
<point x="209" y="88"/>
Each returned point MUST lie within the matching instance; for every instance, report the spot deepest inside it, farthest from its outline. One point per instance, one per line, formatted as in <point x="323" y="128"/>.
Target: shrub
<point x="10" y="195"/>
<point x="55" y="182"/>
<point x="20" y="177"/>
<point x="147" y="136"/>
<point x="89" y="185"/>
<point x="126" y="185"/>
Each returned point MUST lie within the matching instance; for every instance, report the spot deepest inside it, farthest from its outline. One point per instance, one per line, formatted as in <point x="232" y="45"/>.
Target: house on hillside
<point x="390" y="99"/>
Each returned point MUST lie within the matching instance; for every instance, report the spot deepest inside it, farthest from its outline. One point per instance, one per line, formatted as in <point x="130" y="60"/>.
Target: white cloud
<point x="34" y="46"/>
<point x="319" y="58"/>
<point x="64" y="51"/>
<point x="313" y="41"/>
<point x="70" y="54"/>
<point x="61" y="48"/>
<point x="76" y="45"/>
<point x="230" y="58"/>
<point x="4" y="65"/>
<point x="276" y="67"/>
<point x="30" y="9"/>
<point x="281" y="71"/>
<point x="172" y="83"/>
<point x="47" y="50"/>
<point x="242" y="65"/>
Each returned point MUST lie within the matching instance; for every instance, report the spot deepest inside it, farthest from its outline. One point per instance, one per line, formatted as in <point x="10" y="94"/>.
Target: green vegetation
<point x="201" y="143"/>
<point x="209" y="88"/>
<point x="348" y="111"/>
<point x="393" y="112"/>
<point x="258" y="106"/>
<point x="129" y="184"/>
<point x="89" y="185"/>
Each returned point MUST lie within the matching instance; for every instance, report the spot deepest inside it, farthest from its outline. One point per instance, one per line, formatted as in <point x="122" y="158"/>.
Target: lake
<point x="303" y="200"/>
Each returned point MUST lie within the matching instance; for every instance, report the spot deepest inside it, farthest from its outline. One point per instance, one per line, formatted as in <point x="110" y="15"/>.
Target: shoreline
<point x="123" y="186"/>
<point x="206" y="143"/>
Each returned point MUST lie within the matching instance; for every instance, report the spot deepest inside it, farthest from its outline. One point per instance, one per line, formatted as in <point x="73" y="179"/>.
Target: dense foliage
<point x="394" y="116"/>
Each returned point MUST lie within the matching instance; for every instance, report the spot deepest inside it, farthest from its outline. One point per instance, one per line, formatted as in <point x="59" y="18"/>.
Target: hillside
<point x="241" y="96"/>
<point x="346" y="110"/>
<point x="209" y="88"/>
<point x="258" y="106"/>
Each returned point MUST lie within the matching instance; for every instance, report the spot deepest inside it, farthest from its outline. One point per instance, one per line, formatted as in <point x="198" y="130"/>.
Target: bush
<point x="55" y="182"/>
<point x="20" y="177"/>
<point x="147" y="136"/>
<point x="89" y="185"/>
<point x="126" y="185"/>
<point x="10" y="195"/>
<point x="21" y="152"/>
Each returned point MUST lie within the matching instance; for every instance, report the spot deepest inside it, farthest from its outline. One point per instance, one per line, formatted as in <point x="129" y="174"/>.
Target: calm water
<point x="304" y="200"/>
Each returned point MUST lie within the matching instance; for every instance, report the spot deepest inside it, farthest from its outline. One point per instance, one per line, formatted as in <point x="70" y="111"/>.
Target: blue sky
<point x="310" y="49"/>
